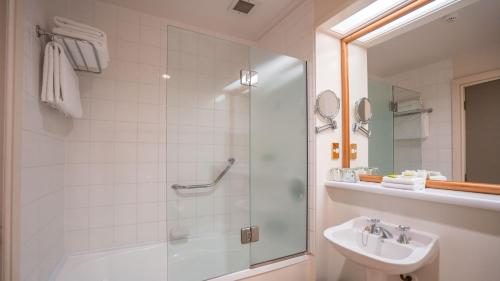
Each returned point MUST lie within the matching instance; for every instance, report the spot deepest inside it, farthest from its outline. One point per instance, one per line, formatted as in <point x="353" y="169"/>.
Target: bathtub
<point x="192" y="260"/>
<point x="147" y="262"/>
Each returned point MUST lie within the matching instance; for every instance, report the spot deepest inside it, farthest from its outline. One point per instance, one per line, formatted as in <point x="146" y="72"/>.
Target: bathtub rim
<point x="265" y="267"/>
<point x="69" y="262"/>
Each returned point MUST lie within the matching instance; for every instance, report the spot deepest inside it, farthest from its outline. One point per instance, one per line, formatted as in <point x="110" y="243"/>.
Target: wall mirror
<point x="327" y="107"/>
<point x="434" y="87"/>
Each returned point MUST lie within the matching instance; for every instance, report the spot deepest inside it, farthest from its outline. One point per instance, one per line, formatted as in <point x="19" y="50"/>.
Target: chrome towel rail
<point x="230" y="162"/>
<point x="64" y="38"/>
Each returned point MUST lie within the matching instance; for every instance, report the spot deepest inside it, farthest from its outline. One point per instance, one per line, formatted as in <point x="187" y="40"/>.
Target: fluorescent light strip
<point x="365" y="15"/>
<point x="422" y="12"/>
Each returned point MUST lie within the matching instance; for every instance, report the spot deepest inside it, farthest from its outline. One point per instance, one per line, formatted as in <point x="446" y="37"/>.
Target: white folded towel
<point x="414" y="182"/>
<point x="404" y="180"/>
<point x="60" y="87"/>
<point x="404" y="186"/>
<point x="438" y="178"/>
<point x="409" y="105"/>
<point x="74" y="26"/>
<point x="82" y="31"/>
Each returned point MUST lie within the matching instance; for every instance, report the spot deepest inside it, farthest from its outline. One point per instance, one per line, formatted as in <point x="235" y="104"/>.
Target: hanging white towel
<point x="82" y="31"/>
<point x="60" y="83"/>
<point x="48" y="78"/>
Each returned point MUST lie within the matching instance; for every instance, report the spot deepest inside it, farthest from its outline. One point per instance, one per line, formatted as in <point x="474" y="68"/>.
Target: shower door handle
<point x="230" y="163"/>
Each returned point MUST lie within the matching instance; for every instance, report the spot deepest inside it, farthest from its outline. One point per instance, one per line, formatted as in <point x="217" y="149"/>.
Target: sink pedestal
<point x="375" y="275"/>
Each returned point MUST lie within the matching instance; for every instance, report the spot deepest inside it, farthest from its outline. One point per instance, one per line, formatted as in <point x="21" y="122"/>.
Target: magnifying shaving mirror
<point x="363" y="114"/>
<point x="328" y="107"/>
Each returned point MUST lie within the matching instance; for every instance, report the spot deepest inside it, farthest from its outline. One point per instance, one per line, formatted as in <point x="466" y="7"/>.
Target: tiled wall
<point x="434" y="83"/>
<point x="115" y="155"/>
<point x="294" y="36"/>
<point x="42" y="163"/>
<point x="103" y="181"/>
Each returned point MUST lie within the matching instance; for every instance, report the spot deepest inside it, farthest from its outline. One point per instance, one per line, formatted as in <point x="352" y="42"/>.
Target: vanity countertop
<point x="469" y="199"/>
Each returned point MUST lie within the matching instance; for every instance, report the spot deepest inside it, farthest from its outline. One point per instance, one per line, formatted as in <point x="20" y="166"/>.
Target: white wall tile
<point x="125" y="235"/>
<point x="125" y="214"/>
<point x="101" y="238"/>
<point x="101" y="195"/>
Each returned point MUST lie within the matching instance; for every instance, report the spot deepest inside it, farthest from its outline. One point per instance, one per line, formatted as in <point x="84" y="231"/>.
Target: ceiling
<point x="477" y="27"/>
<point x="216" y="15"/>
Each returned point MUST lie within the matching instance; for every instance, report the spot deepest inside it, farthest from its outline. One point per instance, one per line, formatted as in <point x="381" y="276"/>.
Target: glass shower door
<point x="278" y="152"/>
<point x="236" y="133"/>
<point x="381" y="142"/>
<point x="207" y="125"/>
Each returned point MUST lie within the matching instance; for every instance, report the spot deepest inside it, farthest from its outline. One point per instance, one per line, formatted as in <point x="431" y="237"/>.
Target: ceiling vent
<point x="243" y="7"/>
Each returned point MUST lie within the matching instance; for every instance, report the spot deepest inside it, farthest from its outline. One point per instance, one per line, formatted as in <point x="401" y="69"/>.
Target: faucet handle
<point x="403" y="228"/>
<point x="374" y="221"/>
<point x="403" y="234"/>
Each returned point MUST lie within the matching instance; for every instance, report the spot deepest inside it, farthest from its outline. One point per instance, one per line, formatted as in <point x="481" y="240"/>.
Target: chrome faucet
<point x="403" y="234"/>
<point x="375" y="228"/>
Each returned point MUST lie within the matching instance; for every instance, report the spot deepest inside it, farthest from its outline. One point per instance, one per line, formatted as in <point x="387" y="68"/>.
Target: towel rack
<point x="230" y="163"/>
<point x="41" y="32"/>
<point x="411" y="112"/>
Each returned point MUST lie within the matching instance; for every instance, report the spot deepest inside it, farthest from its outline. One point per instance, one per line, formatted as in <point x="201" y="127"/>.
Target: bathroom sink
<point x="386" y="256"/>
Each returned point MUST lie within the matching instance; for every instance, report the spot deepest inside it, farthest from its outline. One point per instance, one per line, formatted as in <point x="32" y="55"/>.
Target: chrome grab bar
<point x="230" y="162"/>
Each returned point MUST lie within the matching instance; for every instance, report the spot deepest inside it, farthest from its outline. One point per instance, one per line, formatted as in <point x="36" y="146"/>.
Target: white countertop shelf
<point x="469" y="199"/>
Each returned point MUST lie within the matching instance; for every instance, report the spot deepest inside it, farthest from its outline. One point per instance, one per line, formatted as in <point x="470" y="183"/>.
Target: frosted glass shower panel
<point x="381" y="141"/>
<point x="278" y="149"/>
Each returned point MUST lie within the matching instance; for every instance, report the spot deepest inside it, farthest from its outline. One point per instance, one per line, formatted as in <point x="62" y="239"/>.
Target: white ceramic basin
<point x="384" y="255"/>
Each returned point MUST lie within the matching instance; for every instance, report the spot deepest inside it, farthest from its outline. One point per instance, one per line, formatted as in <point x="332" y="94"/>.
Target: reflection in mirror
<point x="363" y="114"/>
<point x="328" y="107"/>
<point x="363" y="110"/>
<point x="421" y="121"/>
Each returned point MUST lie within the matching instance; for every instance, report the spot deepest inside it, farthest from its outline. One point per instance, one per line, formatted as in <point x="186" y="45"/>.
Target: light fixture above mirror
<point x="366" y="15"/>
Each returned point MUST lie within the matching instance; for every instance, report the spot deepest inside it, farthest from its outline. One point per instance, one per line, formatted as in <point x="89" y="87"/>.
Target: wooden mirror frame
<point x="346" y="126"/>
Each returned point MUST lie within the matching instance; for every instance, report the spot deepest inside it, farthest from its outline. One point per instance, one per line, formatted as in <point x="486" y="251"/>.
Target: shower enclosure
<point x="396" y="141"/>
<point x="236" y="156"/>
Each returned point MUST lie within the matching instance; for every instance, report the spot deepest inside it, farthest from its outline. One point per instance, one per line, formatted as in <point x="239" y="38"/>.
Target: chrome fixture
<point x="403" y="234"/>
<point x="249" y="78"/>
<point x="76" y="41"/>
<point x="363" y="114"/>
<point x="249" y="234"/>
<point x="328" y="107"/>
<point x="230" y="162"/>
<point x="375" y="228"/>
<point x="359" y="127"/>
<point x="412" y="112"/>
